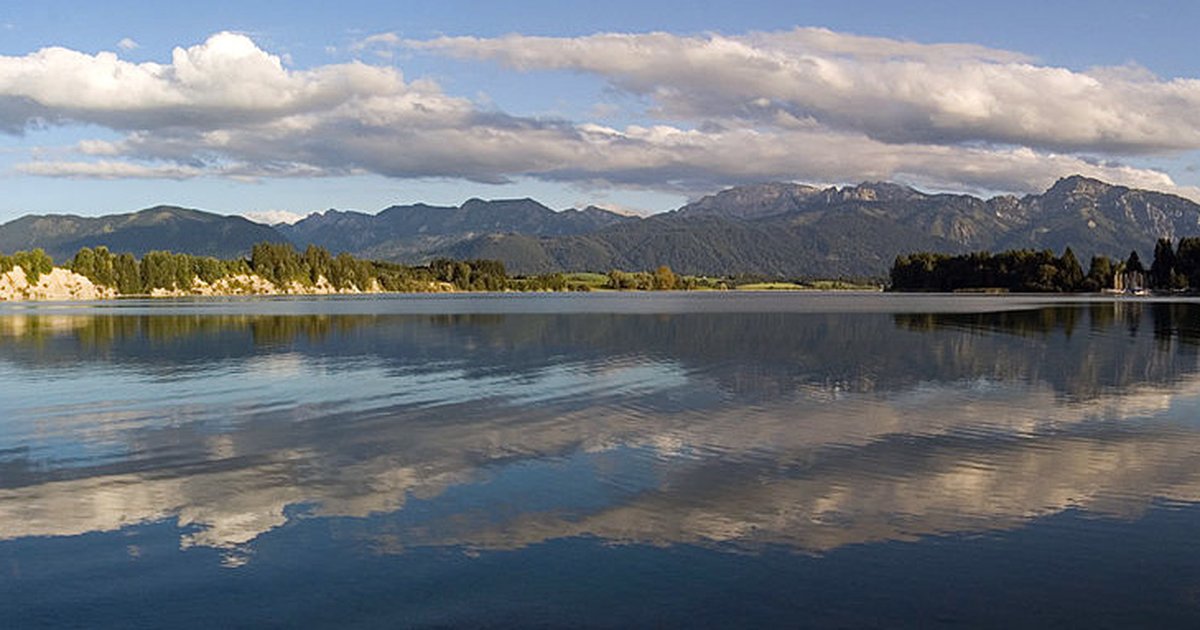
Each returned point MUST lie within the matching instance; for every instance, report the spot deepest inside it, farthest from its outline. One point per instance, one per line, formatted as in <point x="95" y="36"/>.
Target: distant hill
<point x="410" y="233"/>
<point x="774" y="229"/>
<point x="159" y="228"/>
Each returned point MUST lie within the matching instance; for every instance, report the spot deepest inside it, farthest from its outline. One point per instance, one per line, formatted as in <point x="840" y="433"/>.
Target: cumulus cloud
<point x="893" y="91"/>
<point x="730" y="110"/>
<point x="226" y="80"/>
<point x="127" y="43"/>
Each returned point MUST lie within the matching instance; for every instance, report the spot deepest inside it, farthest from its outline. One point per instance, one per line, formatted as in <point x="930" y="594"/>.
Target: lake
<point x="601" y="460"/>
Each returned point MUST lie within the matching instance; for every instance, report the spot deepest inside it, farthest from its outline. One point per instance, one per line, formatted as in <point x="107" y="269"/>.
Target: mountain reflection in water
<point x="811" y="430"/>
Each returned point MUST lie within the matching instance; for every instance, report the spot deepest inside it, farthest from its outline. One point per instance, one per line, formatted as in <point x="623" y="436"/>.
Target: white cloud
<point x="123" y="169"/>
<point x="381" y="45"/>
<point x="615" y="208"/>
<point x="894" y="91"/>
<point x="273" y="217"/>
<point x="729" y="114"/>
<point x="127" y="43"/>
<point x="380" y="39"/>
<point x="98" y="147"/>
<point x="662" y="157"/>
<point x="226" y="80"/>
<point x="107" y="169"/>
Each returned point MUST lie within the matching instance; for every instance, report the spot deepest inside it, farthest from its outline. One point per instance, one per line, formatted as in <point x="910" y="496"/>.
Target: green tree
<point x="104" y="269"/>
<point x="1162" y="269"/>
<point x="209" y="269"/>
<point x="1134" y="263"/>
<point x="1070" y="273"/>
<point x="158" y="271"/>
<point x="127" y="275"/>
<point x="664" y="278"/>
<point x="183" y="269"/>
<point x="278" y="262"/>
<point x="1187" y="260"/>
<point x="1100" y="274"/>
<point x="35" y="263"/>
<point x="620" y="281"/>
<point x="84" y="263"/>
<point x="319" y="263"/>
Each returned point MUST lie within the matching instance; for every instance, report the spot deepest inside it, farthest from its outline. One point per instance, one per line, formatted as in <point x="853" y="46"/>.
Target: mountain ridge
<point x="161" y="227"/>
<point x="856" y="231"/>
<point x="771" y="228"/>
<point x="408" y="232"/>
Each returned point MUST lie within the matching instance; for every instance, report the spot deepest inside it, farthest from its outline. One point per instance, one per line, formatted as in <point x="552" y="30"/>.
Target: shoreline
<point x="61" y="285"/>
<point x="903" y="300"/>
<point x="64" y="285"/>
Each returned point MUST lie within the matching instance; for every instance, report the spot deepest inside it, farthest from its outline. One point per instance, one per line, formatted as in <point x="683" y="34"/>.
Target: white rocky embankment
<point x="63" y="285"/>
<point x="59" y="284"/>
<point x="253" y="284"/>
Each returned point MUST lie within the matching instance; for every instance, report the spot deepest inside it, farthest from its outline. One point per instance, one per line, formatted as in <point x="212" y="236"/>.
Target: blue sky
<point x="374" y="103"/>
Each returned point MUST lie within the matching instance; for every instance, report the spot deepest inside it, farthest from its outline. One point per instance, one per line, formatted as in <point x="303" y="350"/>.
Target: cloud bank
<point x="892" y="91"/>
<point x="808" y="105"/>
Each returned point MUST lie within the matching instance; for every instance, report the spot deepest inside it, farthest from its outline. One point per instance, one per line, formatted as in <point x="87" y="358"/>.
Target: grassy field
<point x="592" y="281"/>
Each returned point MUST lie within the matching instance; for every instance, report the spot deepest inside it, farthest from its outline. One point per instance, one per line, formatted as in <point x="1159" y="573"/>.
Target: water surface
<point x="849" y="460"/>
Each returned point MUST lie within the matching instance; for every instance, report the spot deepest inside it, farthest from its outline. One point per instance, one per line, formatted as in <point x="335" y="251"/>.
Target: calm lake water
<point x="691" y="460"/>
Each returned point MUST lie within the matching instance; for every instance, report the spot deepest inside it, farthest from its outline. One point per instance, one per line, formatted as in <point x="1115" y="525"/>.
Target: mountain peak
<point x="753" y="201"/>
<point x="1078" y="184"/>
<point x="879" y="191"/>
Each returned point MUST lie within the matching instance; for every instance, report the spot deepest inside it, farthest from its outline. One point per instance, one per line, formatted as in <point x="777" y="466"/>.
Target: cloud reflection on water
<point x="806" y="430"/>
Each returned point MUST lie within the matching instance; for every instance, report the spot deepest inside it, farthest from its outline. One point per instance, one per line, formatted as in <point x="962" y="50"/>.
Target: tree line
<point x="285" y="266"/>
<point x="661" y="279"/>
<point x="1175" y="268"/>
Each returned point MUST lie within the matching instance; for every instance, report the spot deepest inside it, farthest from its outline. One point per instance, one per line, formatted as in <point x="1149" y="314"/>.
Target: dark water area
<point x="690" y="460"/>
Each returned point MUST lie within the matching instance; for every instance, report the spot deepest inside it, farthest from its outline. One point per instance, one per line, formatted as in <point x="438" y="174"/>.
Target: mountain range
<point x="770" y="229"/>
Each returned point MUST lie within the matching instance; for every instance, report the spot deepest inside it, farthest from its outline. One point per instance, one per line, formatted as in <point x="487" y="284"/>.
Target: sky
<point x="277" y="109"/>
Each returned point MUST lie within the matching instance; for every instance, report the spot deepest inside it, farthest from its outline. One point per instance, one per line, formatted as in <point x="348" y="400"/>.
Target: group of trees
<point x="661" y="279"/>
<point x="279" y="263"/>
<point x="1022" y="270"/>
<point x="471" y="275"/>
<point x="285" y="266"/>
<point x="35" y="263"/>
<point x="123" y="272"/>
<point x="156" y="270"/>
<point x="1175" y="268"/>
